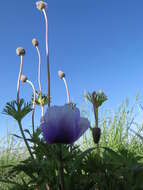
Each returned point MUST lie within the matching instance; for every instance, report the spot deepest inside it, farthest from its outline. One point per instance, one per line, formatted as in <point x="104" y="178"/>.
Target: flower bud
<point x="20" y="51"/>
<point x="96" y="133"/>
<point x="23" y="78"/>
<point x="93" y="94"/>
<point x="41" y="5"/>
<point x="61" y="74"/>
<point x="35" y="42"/>
<point x="98" y="98"/>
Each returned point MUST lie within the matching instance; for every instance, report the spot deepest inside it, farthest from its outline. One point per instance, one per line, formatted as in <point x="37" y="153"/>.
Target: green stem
<point x="24" y="138"/>
<point x="61" y="169"/>
<point x="33" y="111"/>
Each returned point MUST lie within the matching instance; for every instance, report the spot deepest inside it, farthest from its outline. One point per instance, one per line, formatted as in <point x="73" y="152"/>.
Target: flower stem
<point x="34" y="99"/>
<point x="96" y="123"/>
<point x="39" y="69"/>
<point x="47" y="54"/>
<point x="95" y="115"/>
<point x="47" y="187"/>
<point x="61" y="169"/>
<point x="33" y="112"/>
<point x="19" y="76"/>
<point x="42" y="108"/>
<point x="67" y="90"/>
<point x="24" y="138"/>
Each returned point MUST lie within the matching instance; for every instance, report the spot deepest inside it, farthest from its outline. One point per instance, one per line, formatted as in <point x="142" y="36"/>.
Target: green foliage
<point x="116" y="163"/>
<point x="42" y="99"/>
<point x="17" y="110"/>
<point x="11" y="152"/>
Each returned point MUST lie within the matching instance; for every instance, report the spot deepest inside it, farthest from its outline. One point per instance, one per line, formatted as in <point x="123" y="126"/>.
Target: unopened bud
<point x="61" y="74"/>
<point x="96" y="133"/>
<point x="23" y="78"/>
<point x="93" y="94"/>
<point x="35" y="42"/>
<point x="41" y="5"/>
<point x="20" y="51"/>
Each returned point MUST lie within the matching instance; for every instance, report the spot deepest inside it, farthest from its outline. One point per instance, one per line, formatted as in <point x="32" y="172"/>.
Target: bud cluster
<point x="96" y="98"/>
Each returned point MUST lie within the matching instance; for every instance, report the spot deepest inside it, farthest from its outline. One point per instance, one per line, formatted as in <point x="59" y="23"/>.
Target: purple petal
<point x="83" y="125"/>
<point x="60" y="124"/>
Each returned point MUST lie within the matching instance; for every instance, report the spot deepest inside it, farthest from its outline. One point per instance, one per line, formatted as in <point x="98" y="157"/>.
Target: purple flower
<point x="63" y="124"/>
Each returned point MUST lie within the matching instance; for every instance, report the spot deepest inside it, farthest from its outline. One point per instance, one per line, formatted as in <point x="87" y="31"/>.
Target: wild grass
<point x="12" y="152"/>
<point x="117" y="134"/>
<point x="119" y="128"/>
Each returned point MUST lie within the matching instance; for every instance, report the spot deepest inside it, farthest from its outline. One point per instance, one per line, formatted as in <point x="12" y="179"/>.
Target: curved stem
<point x="24" y="138"/>
<point x="34" y="99"/>
<point x="67" y="90"/>
<point x="19" y="76"/>
<point x="39" y="69"/>
<point x="34" y="92"/>
<point x="47" y="54"/>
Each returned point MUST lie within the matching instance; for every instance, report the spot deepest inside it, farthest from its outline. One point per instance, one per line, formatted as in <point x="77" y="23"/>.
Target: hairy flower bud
<point x="20" y="51"/>
<point x="35" y="42"/>
<point x="23" y="78"/>
<point x="41" y="5"/>
<point x="96" y="133"/>
<point x="61" y="74"/>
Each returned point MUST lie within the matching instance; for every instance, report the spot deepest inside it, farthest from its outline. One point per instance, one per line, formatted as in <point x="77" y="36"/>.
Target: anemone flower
<point x="63" y="124"/>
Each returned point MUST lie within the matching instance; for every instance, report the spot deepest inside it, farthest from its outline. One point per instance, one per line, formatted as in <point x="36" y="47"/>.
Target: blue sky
<point x="98" y="44"/>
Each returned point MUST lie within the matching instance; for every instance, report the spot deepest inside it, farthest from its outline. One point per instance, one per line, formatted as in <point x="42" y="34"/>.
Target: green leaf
<point x="17" y="110"/>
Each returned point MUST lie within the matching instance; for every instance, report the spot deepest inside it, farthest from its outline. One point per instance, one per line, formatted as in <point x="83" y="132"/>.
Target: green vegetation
<point x="116" y="163"/>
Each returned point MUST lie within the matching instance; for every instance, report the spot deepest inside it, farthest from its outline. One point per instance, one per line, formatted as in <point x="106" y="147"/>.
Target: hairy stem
<point x="95" y="115"/>
<point x="39" y="69"/>
<point x="24" y="138"/>
<point x="34" y="100"/>
<point x="19" y="76"/>
<point x="61" y="169"/>
<point x="33" y="112"/>
<point x="47" y="187"/>
<point x="47" y="54"/>
<point x="42" y="109"/>
<point x="96" y="123"/>
<point x="67" y="90"/>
